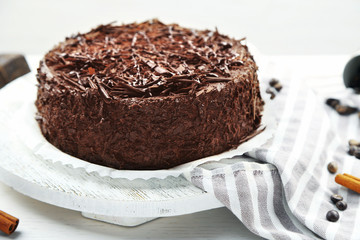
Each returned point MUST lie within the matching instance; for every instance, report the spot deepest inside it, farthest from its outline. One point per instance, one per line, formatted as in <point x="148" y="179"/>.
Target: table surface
<point x="43" y="221"/>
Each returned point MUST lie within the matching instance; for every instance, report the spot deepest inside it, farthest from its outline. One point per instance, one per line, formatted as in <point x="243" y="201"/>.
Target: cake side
<point x="148" y="117"/>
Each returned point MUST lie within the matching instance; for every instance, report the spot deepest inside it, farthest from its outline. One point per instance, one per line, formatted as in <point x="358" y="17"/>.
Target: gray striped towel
<point x="282" y="190"/>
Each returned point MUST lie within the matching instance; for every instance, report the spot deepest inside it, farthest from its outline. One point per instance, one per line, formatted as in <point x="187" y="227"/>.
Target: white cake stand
<point x="119" y="201"/>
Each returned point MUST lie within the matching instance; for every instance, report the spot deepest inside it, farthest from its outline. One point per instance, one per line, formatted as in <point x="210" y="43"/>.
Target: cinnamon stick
<point x="348" y="181"/>
<point x="350" y="176"/>
<point x="8" y="223"/>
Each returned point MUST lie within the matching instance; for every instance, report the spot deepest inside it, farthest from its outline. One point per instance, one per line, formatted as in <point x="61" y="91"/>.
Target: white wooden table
<point x="43" y="221"/>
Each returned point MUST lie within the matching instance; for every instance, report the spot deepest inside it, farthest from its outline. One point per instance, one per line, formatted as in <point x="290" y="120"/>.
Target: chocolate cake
<point x="148" y="95"/>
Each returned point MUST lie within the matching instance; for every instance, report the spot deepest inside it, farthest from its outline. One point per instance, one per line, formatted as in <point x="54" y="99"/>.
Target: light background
<point x="276" y="27"/>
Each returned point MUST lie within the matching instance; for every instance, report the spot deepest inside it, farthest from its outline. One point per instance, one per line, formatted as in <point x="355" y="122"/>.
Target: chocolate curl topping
<point x="147" y="59"/>
<point x="92" y="84"/>
<point x="157" y="68"/>
<point x="102" y="88"/>
<point x="129" y="87"/>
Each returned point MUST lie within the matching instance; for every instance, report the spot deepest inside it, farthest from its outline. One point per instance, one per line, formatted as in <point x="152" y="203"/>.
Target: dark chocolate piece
<point x="12" y="66"/>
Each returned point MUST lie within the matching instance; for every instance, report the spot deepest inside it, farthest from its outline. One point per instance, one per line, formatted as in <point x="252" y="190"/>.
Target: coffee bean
<point x="273" y="82"/>
<point x="341" y="205"/>
<point x="332" y="167"/>
<point x="352" y="150"/>
<point x="345" y="110"/>
<point x="278" y="87"/>
<point x="332" y="102"/>
<point x="272" y="94"/>
<point x="341" y="109"/>
<point x="332" y="216"/>
<point x="335" y="198"/>
<point x="353" y="142"/>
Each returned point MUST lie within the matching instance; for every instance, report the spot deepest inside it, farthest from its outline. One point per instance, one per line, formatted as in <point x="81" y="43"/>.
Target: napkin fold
<point x="282" y="189"/>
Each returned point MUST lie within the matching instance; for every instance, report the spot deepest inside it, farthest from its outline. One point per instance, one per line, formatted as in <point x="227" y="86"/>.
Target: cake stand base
<point x="122" y="221"/>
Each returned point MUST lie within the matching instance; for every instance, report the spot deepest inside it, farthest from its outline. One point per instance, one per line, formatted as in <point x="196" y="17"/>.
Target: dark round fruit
<point x="351" y="73"/>
<point x="335" y="198"/>
<point x="341" y="205"/>
<point x="332" y="216"/>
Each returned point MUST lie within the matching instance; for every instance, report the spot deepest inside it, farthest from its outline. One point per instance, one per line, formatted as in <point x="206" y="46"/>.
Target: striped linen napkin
<point x="282" y="190"/>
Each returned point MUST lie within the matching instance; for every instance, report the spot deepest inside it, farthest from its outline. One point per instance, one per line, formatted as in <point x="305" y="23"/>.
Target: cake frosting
<point x="148" y="95"/>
